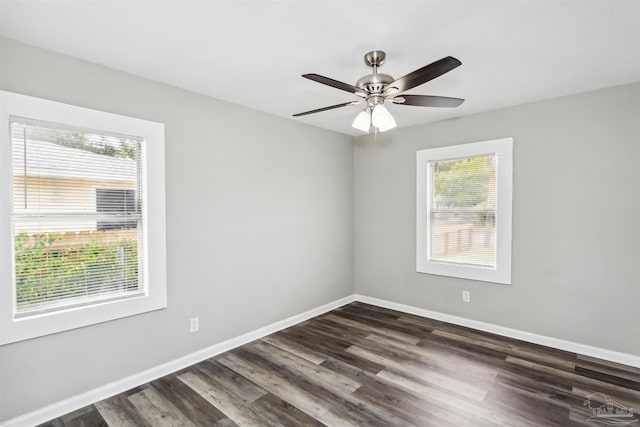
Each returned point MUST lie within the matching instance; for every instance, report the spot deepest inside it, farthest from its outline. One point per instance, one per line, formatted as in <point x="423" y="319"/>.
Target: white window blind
<point x="76" y="214"/>
<point x="462" y="209"/>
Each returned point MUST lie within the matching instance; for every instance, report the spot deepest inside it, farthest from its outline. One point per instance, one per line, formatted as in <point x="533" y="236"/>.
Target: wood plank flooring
<point x="365" y="365"/>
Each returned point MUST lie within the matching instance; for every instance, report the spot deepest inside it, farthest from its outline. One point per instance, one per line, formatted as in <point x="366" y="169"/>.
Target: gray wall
<point x="576" y="219"/>
<point x="259" y="227"/>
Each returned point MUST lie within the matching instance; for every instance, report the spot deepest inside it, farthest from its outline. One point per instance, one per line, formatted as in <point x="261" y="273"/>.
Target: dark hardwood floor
<point x="365" y="365"/>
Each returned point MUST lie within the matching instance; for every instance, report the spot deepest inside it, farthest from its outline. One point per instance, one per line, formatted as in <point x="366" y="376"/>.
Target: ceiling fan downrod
<point x="374" y="84"/>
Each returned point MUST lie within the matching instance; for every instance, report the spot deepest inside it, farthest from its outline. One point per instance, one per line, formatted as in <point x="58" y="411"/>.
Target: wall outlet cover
<point x="194" y="324"/>
<point x="466" y="296"/>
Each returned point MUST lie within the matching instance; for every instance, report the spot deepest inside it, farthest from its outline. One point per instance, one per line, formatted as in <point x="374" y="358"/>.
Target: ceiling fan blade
<point x="428" y="101"/>
<point x="426" y="73"/>
<point x="333" y="83"/>
<point x="326" y="108"/>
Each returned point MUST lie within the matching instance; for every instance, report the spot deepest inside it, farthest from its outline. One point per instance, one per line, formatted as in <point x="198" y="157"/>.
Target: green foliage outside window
<point x="47" y="269"/>
<point x="463" y="183"/>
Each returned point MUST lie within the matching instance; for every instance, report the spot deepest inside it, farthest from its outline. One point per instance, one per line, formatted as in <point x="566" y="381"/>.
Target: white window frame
<point x="503" y="148"/>
<point x="14" y="329"/>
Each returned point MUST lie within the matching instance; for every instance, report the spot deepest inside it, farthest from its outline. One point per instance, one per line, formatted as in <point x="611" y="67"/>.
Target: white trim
<point x="76" y="402"/>
<point x="503" y="149"/>
<point x="573" y="347"/>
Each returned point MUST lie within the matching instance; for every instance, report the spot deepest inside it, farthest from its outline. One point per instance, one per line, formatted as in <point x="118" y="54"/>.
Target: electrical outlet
<point x="194" y="324"/>
<point x="466" y="296"/>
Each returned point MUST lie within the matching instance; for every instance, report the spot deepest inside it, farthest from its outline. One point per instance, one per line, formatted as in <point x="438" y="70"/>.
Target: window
<point x="82" y="207"/>
<point x="463" y="217"/>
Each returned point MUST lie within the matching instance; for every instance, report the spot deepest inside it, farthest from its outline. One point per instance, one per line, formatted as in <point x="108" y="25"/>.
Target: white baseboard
<point x="573" y="347"/>
<point x="76" y="402"/>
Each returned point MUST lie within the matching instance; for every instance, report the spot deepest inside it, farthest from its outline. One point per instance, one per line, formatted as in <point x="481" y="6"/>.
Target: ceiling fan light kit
<point x="363" y="121"/>
<point x="377" y="88"/>
<point x="382" y="119"/>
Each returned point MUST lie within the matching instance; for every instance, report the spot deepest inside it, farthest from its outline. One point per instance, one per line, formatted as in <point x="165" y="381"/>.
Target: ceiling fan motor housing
<point x="374" y="83"/>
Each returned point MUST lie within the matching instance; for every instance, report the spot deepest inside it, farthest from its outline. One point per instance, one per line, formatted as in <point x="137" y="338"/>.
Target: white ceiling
<point x="253" y="52"/>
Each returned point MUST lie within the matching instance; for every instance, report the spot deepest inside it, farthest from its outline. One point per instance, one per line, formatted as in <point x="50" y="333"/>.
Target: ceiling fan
<point x="376" y="89"/>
